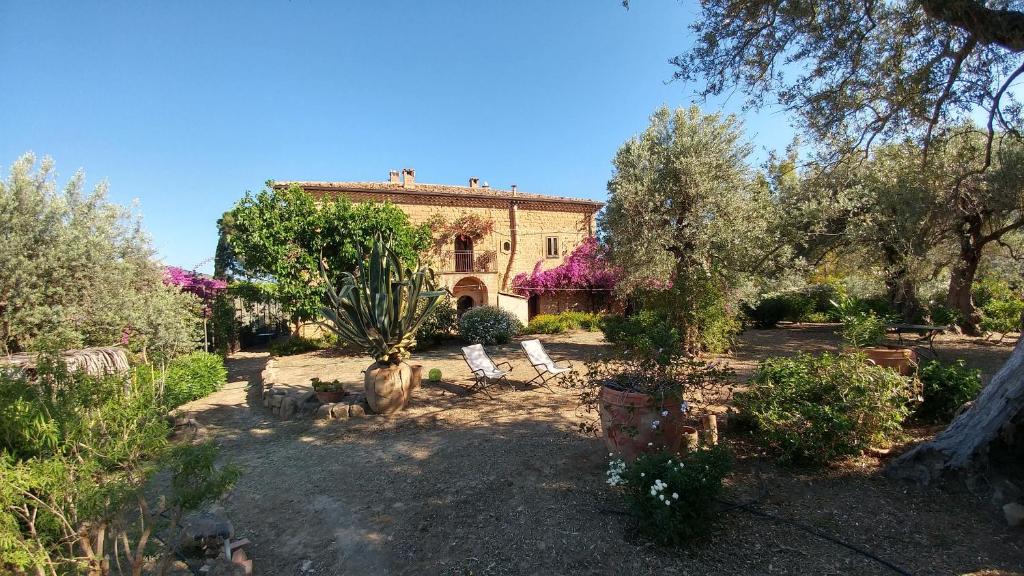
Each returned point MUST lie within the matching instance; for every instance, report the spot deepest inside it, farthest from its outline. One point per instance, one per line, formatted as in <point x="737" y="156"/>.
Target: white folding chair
<point x="546" y="368"/>
<point x="485" y="371"/>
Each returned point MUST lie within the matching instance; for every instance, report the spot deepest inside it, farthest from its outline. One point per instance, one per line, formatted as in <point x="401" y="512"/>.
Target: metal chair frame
<point x="545" y="375"/>
<point x="480" y="379"/>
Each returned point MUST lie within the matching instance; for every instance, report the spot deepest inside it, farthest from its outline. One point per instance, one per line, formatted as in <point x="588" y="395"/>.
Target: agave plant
<point x="377" y="308"/>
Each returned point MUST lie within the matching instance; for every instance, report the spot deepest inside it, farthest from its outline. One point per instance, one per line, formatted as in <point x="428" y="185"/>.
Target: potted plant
<point x="646" y="405"/>
<point x="328" y="392"/>
<point x="865" y="331"/>
<point x="378" y="310"/>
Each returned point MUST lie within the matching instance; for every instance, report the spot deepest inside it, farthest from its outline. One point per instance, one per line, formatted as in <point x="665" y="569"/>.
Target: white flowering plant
<point x="673" y="496"/>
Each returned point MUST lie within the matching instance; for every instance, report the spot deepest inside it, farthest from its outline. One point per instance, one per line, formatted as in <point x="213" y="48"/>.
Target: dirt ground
<point x="463" y="484"/>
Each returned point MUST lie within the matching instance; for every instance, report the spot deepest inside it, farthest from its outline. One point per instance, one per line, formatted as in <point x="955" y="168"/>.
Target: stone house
<point x="522" y="230"/>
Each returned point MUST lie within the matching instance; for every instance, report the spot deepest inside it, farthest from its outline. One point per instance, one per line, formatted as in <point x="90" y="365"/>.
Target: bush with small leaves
<point x="815" y="409"/>
<point x="77" y="456"/>
<point x="193" y="376"/>
<point x="546" y="324"/>
<point x="440" y="324"/>
<point x="945" y="388"/>
<point x="489" y="325"/>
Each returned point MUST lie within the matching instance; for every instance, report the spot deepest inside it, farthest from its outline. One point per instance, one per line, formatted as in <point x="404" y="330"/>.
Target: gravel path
<point x="463" y="484"/>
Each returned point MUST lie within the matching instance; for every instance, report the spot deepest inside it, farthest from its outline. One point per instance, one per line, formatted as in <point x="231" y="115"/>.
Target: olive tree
<point x="77" y="270"/>
<point x="685" y="211"/>
<point x="860" y="73"/>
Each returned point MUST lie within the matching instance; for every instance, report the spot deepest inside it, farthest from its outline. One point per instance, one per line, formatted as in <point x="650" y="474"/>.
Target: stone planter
<point x="634" y="423"/>
<point x="388" y="386"/>
<point x="902" y="360"/>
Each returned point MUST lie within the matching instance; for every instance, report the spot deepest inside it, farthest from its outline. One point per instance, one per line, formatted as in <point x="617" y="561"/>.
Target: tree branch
<point x="988" y="25"/>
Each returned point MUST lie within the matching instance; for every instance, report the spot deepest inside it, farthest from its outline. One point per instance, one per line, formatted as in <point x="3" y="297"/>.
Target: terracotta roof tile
<point x="399" y="189"/>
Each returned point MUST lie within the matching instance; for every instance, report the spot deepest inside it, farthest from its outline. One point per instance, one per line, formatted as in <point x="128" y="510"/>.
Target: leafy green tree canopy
<point x="281" y="234"/>
<point x="685" y="211"/>
<point x="864" y="72"/>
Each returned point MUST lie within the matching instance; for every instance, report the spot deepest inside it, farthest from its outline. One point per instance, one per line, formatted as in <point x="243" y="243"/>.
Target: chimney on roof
<point x="408" y="178"/>
<point x="393" y="176"/>
<point x="486" y="185"/>
<point x="474" y="182"/>
<point x="514" y="190"/>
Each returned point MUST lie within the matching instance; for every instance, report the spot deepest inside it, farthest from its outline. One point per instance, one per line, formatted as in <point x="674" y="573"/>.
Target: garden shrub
<point x="193" y="376"/>
<point x="767" y="313"/>
<point x="673" y="496"/>
<point x="943" y="315"/>
<point x="945" y="388"/>
<point x="863" y="329"/>
<point x="440" y="324"/>
<point x="547" y="324"/>
<point x="645" y="333"/>
<point x="76" y="457"/>
<point x="293" y="345"/>
<point x="1001" y="307"/>
<point x="577" y="320"/>
<point x="489" y="325"/>
<point x="564" y="321"/>
<point x="814" y="409"/>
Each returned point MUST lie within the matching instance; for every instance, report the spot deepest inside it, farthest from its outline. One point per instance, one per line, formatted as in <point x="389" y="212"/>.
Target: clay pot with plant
<point x="648" y="406"/>
<point x="378" y="310"/>
<point x="328" y="392"/>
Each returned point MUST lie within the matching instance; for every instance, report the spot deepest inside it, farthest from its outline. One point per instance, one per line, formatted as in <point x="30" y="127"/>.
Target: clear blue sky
<point x="186" y="105"/>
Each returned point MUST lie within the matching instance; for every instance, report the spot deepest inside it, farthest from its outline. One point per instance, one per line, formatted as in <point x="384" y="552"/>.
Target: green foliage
<point x="434" y="375"/>
<point x="1002" y="309"/>
<point x="193" y="376"/>
<point x="489" y="325"/>
<point x="645" y="334"/>
<point x="76" y="270"/>
<point x="946" y="387"/>
<point x="224" y="326"/>
<point x="380" y="310"/>
<point x="546" y="324"/>
<point x="767" y="313"/>
<point x="441" y="323"/>
<point x="812" y="303"/>
<point x="815" y="409"/>
<point x="684" y="211"/>
<point x="76" y="455"/>
<point x="863" y="329"/>
<point x="328" y="386"/>
<point x="292" y="345"/>
<point x="674" y="497"/>
<point x="564" y="321"/>
<point x="280" y="235"/>
<point x="942" y="315"/>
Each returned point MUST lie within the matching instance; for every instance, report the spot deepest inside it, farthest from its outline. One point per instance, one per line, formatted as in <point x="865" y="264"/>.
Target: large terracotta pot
<point x="902" y="360"/>
<point x="628" y="422"/>
<point x="387" y="386"/>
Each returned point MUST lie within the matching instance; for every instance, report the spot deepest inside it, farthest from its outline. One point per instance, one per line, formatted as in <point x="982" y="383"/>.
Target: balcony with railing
<point x="467" y="261"/>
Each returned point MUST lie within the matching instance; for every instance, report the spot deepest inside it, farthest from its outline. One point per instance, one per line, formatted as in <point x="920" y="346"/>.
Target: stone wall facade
<point x="523" y="226"/>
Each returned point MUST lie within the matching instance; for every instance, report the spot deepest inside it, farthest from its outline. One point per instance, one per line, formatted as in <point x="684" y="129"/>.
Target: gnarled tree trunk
<point x="986" y="435"/>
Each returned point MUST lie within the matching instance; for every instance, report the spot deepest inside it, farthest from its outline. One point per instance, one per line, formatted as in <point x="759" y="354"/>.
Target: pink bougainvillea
<point x="587" y="268"/>
<point x="193" y="282"/>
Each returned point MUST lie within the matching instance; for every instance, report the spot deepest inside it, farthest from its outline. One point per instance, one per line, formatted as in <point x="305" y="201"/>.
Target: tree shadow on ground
<point x="464" y="484"/>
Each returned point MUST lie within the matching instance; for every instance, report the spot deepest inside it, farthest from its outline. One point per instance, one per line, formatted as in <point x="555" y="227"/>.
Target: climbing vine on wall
<point x="466" y="227"/>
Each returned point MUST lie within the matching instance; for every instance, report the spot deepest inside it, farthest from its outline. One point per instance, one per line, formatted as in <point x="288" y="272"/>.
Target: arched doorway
<point x="468" y="293"/>
<point x="463" y="303"/>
